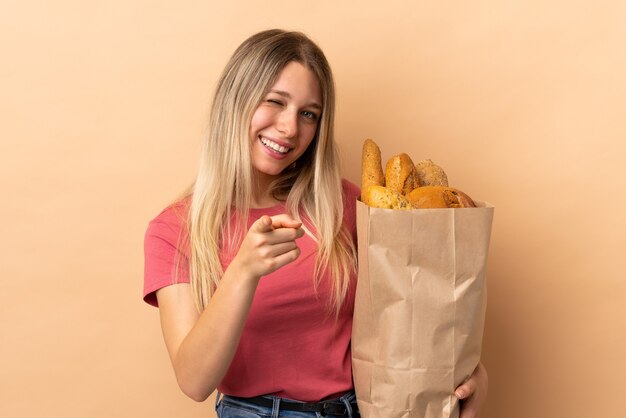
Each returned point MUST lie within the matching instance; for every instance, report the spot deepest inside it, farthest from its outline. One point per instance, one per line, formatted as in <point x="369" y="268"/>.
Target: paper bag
<point x="419" y="308"/>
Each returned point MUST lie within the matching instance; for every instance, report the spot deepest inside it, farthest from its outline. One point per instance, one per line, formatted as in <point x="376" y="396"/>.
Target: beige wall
<point x="103" y="106"/>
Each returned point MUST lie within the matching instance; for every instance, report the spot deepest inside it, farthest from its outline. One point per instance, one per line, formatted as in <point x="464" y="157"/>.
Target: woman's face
<point x="285" y="122"/>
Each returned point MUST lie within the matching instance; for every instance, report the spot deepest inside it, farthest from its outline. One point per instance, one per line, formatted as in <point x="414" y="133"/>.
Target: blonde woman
<point x="254" y="270"/>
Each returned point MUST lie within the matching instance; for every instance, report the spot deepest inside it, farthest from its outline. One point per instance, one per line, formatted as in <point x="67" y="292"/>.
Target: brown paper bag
<point x="419" y="308"/>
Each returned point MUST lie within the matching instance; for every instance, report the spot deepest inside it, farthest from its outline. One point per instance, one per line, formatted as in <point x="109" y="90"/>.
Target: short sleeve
<point x="165" y="258"/>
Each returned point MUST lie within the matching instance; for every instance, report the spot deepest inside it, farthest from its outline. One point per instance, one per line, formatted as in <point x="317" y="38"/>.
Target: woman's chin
<point x="273" y="171"/>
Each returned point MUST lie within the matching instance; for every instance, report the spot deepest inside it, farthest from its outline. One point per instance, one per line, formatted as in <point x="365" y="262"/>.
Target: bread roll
<point x="430" y="174"/>
<point x="400" y="176"/>
<point x="428" y="197"/>
<point x="381" y="197"/>
<point x="371" y="166"/>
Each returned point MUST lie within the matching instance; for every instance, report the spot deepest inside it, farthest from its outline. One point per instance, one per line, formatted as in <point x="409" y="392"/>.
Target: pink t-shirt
<point x="291" y="345"/>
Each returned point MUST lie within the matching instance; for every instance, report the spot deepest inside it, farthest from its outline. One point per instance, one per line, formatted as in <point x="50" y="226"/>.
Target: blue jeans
<point x="229" y="407"/>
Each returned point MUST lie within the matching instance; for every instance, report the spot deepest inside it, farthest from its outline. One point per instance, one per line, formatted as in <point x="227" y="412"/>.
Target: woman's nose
<point x="288" y="123"/>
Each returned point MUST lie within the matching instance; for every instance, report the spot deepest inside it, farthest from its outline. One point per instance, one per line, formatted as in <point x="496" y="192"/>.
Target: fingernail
<point x="460" y="394"/>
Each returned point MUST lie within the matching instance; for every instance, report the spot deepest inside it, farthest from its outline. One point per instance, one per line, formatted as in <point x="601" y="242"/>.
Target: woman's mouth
<point x="273" y="146"/>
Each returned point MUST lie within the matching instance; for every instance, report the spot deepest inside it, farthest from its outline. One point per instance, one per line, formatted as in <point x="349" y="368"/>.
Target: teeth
<point x="274" y="146"/>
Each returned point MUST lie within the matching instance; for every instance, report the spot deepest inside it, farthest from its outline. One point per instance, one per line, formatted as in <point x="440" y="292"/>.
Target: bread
<point x="381" y="197"/>
<point x="405" y="185"/>
<point x="400" y="176"/>
<point x="428" y="197"/>
<point x="430" y="174"/>
<point x="371" y="166"/>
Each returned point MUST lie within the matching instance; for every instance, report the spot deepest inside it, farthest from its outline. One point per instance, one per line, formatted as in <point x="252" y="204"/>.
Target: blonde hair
<point x="224" y="184"/>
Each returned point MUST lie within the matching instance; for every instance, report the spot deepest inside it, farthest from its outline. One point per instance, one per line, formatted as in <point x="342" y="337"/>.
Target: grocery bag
<point x="419" y="308"/>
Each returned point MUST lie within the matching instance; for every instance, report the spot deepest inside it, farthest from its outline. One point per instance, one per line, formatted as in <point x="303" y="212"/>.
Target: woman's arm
<point x="473" y="393"/>
<point x="201" y="345"/>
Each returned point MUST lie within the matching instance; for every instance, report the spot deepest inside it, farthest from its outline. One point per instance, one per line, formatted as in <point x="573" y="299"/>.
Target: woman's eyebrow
<point x="288" y="96"/>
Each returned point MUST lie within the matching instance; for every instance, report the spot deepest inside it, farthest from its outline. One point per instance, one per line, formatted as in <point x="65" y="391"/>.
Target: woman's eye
<point x="274" y="101"/>
<point x="309" y="115"/>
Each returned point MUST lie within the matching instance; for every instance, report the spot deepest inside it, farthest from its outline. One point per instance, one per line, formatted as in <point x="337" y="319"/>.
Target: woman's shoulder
<point x="351" y="194"/>
<point x="172" y="218"/>
<point x="350" y="190"/>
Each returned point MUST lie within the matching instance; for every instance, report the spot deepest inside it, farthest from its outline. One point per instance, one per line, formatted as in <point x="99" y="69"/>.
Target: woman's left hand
<point x="473" y="393"/>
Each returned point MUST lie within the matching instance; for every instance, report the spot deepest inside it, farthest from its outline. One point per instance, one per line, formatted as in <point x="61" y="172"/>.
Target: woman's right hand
<point x="269" y="244"/>
<point x="202" y="345"/>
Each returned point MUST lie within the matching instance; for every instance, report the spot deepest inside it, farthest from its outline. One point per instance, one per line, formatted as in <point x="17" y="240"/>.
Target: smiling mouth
<point x="274" y="146"/>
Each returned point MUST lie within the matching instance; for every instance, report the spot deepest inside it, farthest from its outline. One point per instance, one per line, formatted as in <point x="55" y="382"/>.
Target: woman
<point x="254" y="271"/>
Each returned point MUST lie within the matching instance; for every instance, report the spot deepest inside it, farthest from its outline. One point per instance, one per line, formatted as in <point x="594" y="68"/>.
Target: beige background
<point x="103" y="105"/>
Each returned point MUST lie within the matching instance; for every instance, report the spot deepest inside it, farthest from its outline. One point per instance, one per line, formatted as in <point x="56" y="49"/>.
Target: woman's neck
<point x="261" y="194"/>
<point x="266" y="201"/>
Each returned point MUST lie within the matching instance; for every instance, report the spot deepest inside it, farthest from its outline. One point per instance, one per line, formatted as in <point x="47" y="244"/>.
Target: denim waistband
<point x="344" y="406"/>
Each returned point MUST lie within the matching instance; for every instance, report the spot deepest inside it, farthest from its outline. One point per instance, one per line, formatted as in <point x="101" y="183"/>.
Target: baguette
<point x="400" y="176"/>
<point x="371" y="166"/>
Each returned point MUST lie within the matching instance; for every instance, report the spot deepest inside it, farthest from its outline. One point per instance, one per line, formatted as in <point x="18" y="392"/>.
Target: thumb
<point x="466" y="389"/>
<point x="264" y="224"/>
<point x="285" y="221"/>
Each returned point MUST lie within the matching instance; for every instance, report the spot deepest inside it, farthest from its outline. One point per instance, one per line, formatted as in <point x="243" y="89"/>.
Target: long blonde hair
<point x="224" y="182"/>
